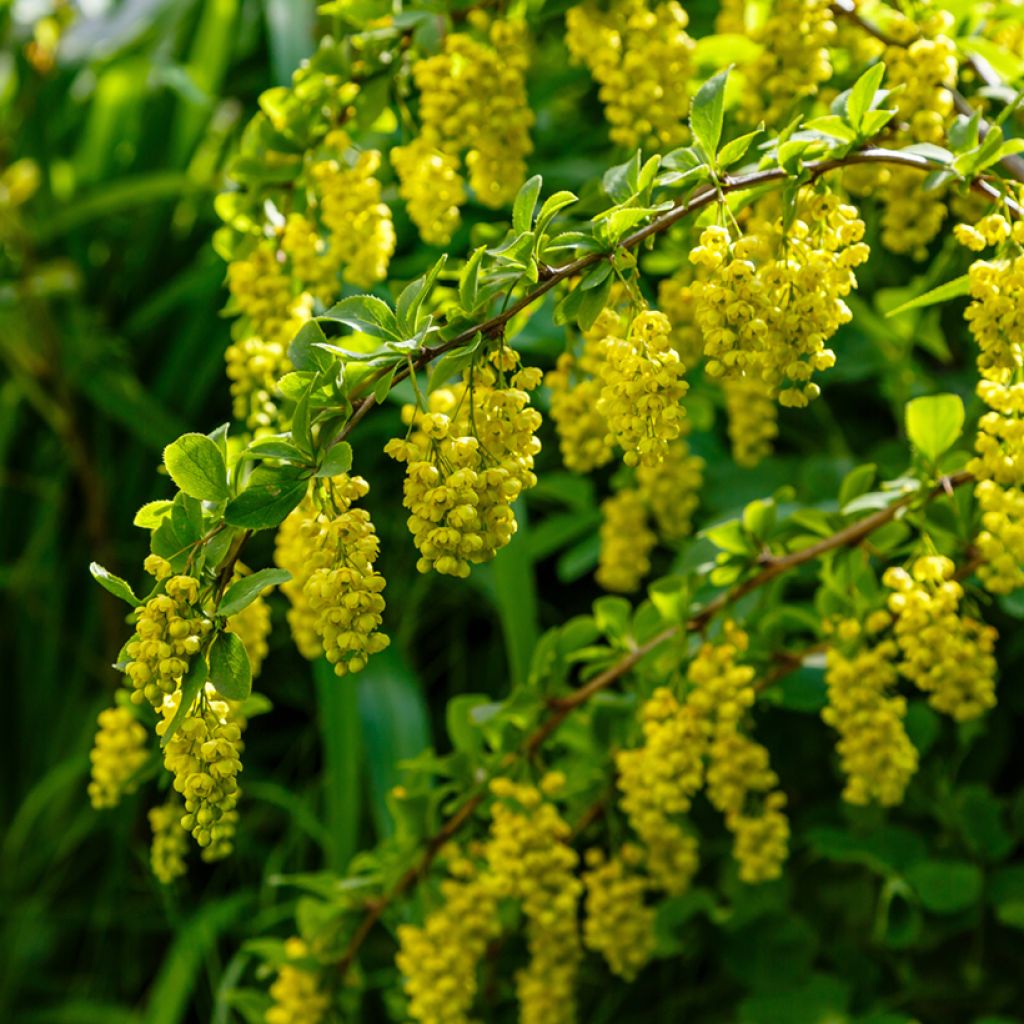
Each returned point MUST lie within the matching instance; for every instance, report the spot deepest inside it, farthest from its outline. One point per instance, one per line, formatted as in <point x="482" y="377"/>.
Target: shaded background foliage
<point x="112" y="345"/>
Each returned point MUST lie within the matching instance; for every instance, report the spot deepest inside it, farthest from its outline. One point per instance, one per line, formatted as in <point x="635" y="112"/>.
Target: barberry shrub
<point x="740" y="395"/>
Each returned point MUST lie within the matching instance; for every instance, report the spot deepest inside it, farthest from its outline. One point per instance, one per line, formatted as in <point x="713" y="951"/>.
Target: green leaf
<point x="196" y="465"/>
<point x="368" y="314"/>
<point x="857" y="482"/>
<point x="862" y="95"/>
<point x="735" y="150"/>
<point x="708" y="111"/>
<point x="305" y="352"/>
<point x="525" y="203"/>
<point x="469" y="280"/>
<point x="152" y="514"/>
<point x="620" y="182"/>
<point x="338" y="460"/>
<point x="730" y="537"/>
<point x="1007" y="64"/>
<point x="243" y="592"/>
<point x="275" y="448"/>
<point x="230" y="671"/>
<point x="191" y="684"/>
<point x="934" y="423"/>
<point x="946" y="886"/>
<point x="270" y="496"/>
<point x="113" y="584"/>
<point x="980" y="818"/>
<point x="413" y="295"/>
<point x="552" y="205"/>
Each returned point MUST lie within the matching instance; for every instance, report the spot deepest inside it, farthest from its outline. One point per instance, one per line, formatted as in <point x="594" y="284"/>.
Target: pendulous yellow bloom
<point x="468" y="457"/>
<point x="583" y="437"/>
<point x="438" y="960"/>
<point x="795" y="37"/>
<point x="362" y="237"/>
<point x="875" y="753"/>
<point x="203" y="757"/>
<point x="472" y="101"/>
<point x="618" y="923"/>
<point x="296" y="991"/>
<point x="530" y="860"/>
<point x="118" y="752"/>
<point x="658" y="782"/>
<point x="774" y="297"/>
<point x="671" y="490"/>
<point x="335" y="591"/>
<point x="433" y="189"/>
<point x="626" y="542"/>
<point x="170" y="842"/>
<point x="945" y="654"/>
<point x="169" y="633"/>
<point x="641" y="57"/>
<point x="641" y="387"/>
<point x="740" y="781"/>
<point x="753" y="419"/>
<point x="999" y="469"/>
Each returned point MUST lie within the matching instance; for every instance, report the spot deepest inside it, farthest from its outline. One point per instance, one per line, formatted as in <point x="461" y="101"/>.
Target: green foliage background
<point x="112" y="346"/>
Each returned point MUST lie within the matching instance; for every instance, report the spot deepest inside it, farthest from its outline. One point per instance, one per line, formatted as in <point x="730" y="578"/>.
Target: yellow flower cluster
<point x="753" y="419"/>
<point x="335" y="591"/>
<point x="641" y="57"/>
<point x="658" y="781"/>
<point x="118" y="752"/>
<point x="296" y="992"/>
<point x="362" y="236"/>
<point x="775" y="297"/>
<point x="473" y="100"/>
<point x="626" y="542"/>
<point x="433" y="189"/>
<point x="794" y="59"/>
<point x="203" y="757"/>
<point x="668" y="494"/>
<point x="169" y="632"/>
<point x="438" y="959"/>
<point x="740" y="781"/>
<point x="999" y="469"/>
<point x="344" y="590"/>
<point x="875" y="753"/>
<point x="671" y="490"/>
<point x="261" y="291"/>
<point x="529" y="860"/>
<point x="170" y="842"/>
<point x="575" y="385"/>
<point x="618" y="923"/>
<point x="945" y="654"/>
<point x="676" y="299"/>
<point x="296" y="550"/>
<point x="641" y="386"/>
<point x="468" y="457"/>
<point x="311" y="262"/>
<point x="997" y="293"/>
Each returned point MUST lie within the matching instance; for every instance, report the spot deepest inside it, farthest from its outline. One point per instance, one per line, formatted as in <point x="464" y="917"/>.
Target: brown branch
<point x="560" y="709"/>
